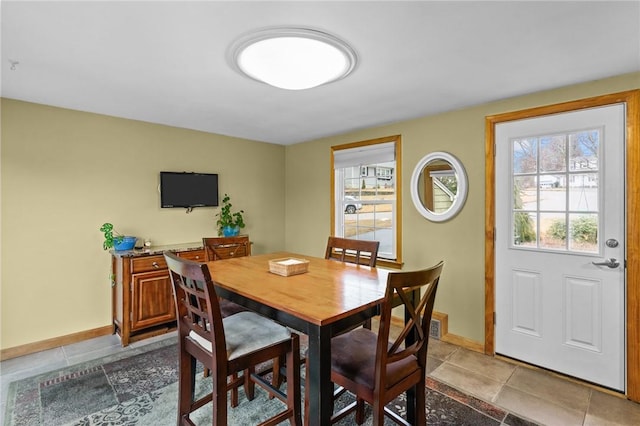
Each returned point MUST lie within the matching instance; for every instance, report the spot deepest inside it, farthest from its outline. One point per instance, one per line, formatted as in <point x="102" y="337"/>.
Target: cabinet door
<point x="151" y="299"/>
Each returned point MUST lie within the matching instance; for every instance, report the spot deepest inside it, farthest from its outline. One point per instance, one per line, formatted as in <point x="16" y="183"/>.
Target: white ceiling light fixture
<point x="293" y="58"/>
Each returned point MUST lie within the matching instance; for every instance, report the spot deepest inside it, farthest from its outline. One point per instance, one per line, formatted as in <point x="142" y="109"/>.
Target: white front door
<point x="560" y="197"/>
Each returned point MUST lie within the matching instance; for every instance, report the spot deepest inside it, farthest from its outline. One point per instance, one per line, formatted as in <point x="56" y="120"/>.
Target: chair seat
<point x="246" y="332"/>
<point x="353" y="356"/>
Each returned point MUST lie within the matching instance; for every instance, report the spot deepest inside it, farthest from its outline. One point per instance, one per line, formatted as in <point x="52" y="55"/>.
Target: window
<point x="366" y="194"/>
<point x="556" y="195"/>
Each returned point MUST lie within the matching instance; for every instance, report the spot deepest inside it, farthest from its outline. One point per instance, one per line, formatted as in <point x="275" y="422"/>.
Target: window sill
<point x="386" y="263"/>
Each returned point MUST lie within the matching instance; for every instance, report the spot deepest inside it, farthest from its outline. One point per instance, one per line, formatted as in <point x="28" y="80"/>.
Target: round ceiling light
<point x="293" y="58"/>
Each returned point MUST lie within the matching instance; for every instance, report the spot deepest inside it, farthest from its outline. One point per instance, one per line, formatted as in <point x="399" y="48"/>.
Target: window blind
<point x="364" y="155"/>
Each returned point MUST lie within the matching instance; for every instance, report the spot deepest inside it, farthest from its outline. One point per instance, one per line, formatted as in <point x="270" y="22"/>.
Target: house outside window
<point x="366" y="194"/>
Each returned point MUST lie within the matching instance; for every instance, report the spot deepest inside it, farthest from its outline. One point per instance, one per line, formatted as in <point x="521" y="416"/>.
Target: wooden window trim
<point x="397" y="263"/>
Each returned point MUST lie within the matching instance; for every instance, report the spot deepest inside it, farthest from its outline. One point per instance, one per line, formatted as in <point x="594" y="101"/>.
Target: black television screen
<point x="183" y="189"/>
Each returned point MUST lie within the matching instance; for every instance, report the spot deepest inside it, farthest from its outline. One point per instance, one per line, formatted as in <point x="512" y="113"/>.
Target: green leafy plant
<point x="109" y="238"/>
<point x="585" y="229"/>
<point x="557" y="230"/>
<point x="227" y="218"/>
<point x="523" y="228"/>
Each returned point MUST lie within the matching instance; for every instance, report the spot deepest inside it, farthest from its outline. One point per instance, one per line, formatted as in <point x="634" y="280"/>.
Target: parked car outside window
<point x="352" y="204"/>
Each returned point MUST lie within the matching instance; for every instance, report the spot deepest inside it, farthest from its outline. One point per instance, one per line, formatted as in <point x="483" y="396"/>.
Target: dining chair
<point x="226" y="247"/>
<point x="218" y="248"/>
<point x="376" y="370"/>
<point x="361" y="252"/>
<point x="226" y="346"/>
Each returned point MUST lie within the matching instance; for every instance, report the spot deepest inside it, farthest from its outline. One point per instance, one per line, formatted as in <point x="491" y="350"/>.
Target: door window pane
<point x="525" y="194"/>
<point x="525" y="229"/>
<point x="583" y="192"/>
<point x="583" y="232"/>
<point x="553" y="230"/>
<point x="525" y="155"/>
<point x="584" y="148"/>
<point x="553" y="193"/>
<point x="553" y="153"/>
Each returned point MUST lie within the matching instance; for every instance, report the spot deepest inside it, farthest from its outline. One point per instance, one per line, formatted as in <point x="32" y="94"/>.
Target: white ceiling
<point x="166" y="62"/>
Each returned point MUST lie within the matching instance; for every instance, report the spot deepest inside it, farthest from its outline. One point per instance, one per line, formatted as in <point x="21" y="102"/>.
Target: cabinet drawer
<point x="197" y="255"/>
<point x="149" y="263"/>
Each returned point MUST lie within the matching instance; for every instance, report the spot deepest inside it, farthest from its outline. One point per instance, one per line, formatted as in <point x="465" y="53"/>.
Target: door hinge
<point x="494" y="318"/>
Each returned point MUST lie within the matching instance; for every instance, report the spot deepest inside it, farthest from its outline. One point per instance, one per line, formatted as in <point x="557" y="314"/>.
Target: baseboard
<point x="463" y="342"/>
<point x="55" y="342"/>
<point x="442" y="321"/>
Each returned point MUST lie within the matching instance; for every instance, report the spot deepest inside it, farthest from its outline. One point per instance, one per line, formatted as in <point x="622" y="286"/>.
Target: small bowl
<point x="127" y="243"/>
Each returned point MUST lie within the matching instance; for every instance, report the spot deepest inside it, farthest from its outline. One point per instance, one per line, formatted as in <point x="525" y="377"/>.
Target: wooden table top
<point x="328" y="292"/>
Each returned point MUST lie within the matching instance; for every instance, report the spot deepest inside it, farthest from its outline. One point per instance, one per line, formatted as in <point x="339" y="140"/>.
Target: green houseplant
<point x="229" y="224"/>
<point x="113" y="239"/>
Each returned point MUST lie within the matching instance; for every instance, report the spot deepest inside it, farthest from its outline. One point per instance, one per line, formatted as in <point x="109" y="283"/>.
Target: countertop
<point x="155" y="250"/>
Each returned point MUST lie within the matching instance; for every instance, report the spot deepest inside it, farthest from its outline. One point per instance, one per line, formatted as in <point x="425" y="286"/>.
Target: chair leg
<point x="360" y="411"/>
<point x="219" y="396"/>
<point x="293" y="382"/>
<point x="277" y="377"/>
<point x="249" y="385"/>
<point x="412" y="403"/>
<point x="378" y="413"/>
<point x="234" y="391"/>
<point x="186" y="386"/>
<point x="421" y="417"/>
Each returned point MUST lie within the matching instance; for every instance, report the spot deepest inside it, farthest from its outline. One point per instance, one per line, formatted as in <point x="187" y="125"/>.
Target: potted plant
<point x="229" y="224"/>
<point x="117" y="241"/>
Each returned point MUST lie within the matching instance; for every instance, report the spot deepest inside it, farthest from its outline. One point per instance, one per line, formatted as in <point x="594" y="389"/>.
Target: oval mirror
<point x="439" y="186"/>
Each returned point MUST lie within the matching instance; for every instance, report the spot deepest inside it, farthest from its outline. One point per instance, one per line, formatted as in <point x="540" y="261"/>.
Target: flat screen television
<point x="185" y="189"/>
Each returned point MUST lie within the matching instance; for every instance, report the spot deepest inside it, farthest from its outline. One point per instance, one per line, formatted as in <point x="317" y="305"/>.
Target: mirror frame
<point x="461" y="196"/>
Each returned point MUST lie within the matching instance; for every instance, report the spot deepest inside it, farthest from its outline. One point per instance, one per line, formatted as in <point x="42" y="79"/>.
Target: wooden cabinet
<point x="143" y="304"/>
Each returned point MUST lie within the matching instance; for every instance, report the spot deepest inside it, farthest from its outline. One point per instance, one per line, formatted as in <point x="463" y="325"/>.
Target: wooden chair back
<point x="400" y="286"/>
<point x="399" y="365"/>
<point x="361" y="252"/>
<point x="217" y="248"/>
<point x="197" y="307"/>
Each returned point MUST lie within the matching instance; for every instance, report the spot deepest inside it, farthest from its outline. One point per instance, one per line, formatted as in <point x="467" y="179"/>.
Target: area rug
<point x="139" y="387"/>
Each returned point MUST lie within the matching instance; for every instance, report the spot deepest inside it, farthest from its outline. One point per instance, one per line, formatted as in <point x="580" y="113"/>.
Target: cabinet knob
<point x="155" y="265"/>
<point x="197" y="257"/>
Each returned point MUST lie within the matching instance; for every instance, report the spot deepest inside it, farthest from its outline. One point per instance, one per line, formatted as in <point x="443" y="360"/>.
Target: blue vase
<point x="230" y="231"/>
<point x="125" y="243"/>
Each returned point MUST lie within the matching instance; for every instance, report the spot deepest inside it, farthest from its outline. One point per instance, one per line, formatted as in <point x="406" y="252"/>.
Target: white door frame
<point x="632" y="101"/>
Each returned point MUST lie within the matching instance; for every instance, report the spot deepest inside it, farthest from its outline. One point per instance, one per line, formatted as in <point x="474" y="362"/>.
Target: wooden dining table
<point x="329" y="298"/>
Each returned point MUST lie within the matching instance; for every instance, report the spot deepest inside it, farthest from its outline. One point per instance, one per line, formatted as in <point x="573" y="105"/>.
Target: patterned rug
<point x="139" y="387"/>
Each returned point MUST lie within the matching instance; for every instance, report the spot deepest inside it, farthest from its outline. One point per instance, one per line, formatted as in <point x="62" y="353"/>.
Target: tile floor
<point x="534" y="394"/>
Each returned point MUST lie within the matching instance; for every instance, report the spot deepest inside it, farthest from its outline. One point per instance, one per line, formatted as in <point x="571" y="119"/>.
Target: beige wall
<point x="64" y="173"/>
<point x="460" y="241"/>
<point x="60" y="183"/>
